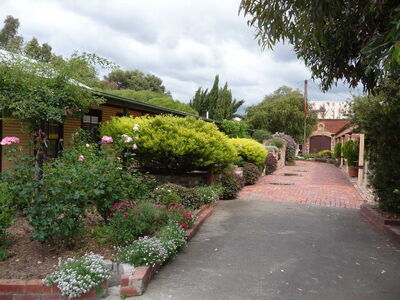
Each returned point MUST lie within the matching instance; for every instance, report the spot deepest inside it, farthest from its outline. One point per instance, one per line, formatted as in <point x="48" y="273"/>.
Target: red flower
<point x="183" y="225"/>
<point x="187" y="214"/>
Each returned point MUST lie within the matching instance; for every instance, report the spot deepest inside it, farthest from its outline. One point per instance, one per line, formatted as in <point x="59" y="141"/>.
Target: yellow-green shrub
<point x="250" y="151"/>
<point x="173" y="143"/>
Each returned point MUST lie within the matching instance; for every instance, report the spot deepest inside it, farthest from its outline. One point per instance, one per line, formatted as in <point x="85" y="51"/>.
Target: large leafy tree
<point x="8" y="34"/>
<point x="39" y="52"/>
<point x="134" y="80"/>
<point x="218" y="102"/>
<point x="357" y="41"/>
<point x="281" y="111"/>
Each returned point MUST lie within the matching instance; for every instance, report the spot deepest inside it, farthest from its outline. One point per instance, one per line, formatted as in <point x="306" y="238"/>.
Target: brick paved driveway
<point x="306" y="182"/>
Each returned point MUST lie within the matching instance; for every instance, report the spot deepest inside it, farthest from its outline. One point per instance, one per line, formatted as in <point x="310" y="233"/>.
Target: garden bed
<point x="388" y="224"/>
<point x="31" y="259"/>
<point x="135" y="284"/>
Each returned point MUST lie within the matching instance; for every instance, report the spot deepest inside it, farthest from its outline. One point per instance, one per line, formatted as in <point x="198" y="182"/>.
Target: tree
<point x="218" y="102"/>
<point x="8" y="34"/>
<point x="281" y="111"/>
<point x="34" y="50"/>
<point x="357" y="41"/>
<point x="135" y="80"/>
<point x="378" y="117"/>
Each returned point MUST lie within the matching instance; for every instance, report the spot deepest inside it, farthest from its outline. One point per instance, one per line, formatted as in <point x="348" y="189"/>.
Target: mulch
<point x="33" y="260"/>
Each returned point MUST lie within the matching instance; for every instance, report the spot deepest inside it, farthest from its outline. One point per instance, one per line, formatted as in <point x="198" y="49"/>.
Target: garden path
<point x="306" y="182"/>
<point x="252" y="249"/>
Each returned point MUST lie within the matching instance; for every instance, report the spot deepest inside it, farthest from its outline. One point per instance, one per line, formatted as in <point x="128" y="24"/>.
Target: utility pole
<point x="305" y="117"/>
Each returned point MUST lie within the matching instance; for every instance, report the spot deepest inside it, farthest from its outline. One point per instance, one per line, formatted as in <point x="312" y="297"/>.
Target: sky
<point x="184" y="42"/>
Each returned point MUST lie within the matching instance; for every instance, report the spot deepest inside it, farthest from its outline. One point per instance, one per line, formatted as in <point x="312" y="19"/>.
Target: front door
<point x="319" y="143"/>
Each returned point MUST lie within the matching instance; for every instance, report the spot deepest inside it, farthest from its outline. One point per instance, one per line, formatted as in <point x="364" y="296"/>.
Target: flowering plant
<point x="9" y="140"/>
<point x="146" y="251"/>
<point x="77" y="276"/>
<point x="106" y="139"/>
<point x="125" y="208"/>
<point x="173" y="238"/>
<point x="177" y="213"/>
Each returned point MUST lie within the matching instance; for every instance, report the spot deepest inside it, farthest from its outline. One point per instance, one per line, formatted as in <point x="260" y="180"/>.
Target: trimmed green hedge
<point x="250" y="151"/>
<point x="172" y="143"/>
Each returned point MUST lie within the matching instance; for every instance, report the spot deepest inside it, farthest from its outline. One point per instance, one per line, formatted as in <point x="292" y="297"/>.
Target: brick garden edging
<point x="387" y="226"/>
<point x="136" y="283"/>
<point x="14" y="289"/>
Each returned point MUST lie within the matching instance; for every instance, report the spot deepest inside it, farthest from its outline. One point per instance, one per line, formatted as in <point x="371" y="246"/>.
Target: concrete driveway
<point x="250" y="249"/>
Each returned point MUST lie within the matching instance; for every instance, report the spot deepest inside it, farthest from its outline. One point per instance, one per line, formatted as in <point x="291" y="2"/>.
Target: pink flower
<point x="127" y="138"/>
<point x="81" y="158"/>
<point x="9" y="140"/>
<point x="134" y="147"/>
<point x="136" y="127"/>
<point x="106" y="139"/>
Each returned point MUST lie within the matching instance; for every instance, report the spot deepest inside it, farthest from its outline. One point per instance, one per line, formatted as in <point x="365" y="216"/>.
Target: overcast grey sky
<point x="184" y="42"/>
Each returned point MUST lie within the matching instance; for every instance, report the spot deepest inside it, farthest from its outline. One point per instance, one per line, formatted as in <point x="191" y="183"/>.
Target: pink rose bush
<point x="9" y="140"/>
<point x="106" y="139"/>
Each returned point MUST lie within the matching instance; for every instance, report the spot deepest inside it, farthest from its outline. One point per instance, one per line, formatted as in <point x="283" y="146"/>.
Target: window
<point x="321" y="127"/>
<point x="54" y="133"/>
<point x="91" y="122"/>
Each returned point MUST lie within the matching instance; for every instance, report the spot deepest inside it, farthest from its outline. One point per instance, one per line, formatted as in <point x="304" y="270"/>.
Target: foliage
<point x="6" y="218"/>
<point x="34" y="50"/>
<point x="135" y="80"/>
<point x="8" y="35"/>
<point x="129" y="221"/>
<point x="350" y="153"/>
<point x="177" y="213"/>
<point x="172" y="237"/>
<point x="163" y="196"/>
<point x="234" y="129"/>
<point x="261" y="135"/>
<point x="186" y="196"/>
<point x="282" y="111"/>
<point x="173" y="144"/>
<point x="378" y="117"/>
<point x="231" y="184"/>
<point x="337" y="151"/>
<point x="251" y="173"/>
<point x="146" y="251"/>
<point x="154" y="98"/>
<point x="276" y="142"/>
<point x="351" y="40"/>
<point x="209" y="194"/>
<point x="325" y="153"/>
<point x="290" y="146"/>
<point x="77" y="276"/>
<point x="218" y="102"/>
<point x="270" y="164"/>
<point x="250" y="151"/>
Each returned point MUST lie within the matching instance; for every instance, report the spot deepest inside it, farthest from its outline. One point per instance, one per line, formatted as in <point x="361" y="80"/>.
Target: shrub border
<point x="384" y="225"/>
<point x="136" y="283"/>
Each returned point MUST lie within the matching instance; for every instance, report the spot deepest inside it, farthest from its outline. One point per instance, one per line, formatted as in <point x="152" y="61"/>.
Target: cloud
<point x="186" y="43"/>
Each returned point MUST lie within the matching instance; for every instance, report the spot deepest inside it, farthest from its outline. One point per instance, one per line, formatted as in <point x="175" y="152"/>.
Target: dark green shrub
<point x="270" y="164"/>
<point x="130" y="221"/>
<point x="6" y="218"/>
<point x="350" y="153"/>
<point x="337" y="152"/>
<point x="277" y="143"/>
<point x="188" y="197"/>
<point x="251" y="173"/>
<point x="231" y="185"/>
<point x="377" y="116"/>
<point x="234" y="129"/>
<point x="260" y="135"/>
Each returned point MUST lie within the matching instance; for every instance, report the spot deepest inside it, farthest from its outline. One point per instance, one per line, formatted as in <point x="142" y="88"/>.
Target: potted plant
<point x="350" y="153"/>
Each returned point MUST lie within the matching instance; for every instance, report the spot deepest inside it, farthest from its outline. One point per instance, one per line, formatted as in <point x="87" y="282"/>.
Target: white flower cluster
<point x="173" y="238"/>
<point x="146" y="251"/>
<point x="77" y="276"/>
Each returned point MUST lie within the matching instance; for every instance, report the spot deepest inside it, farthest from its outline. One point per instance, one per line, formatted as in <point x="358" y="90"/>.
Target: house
<point x="322" y="135"/>
<point x="60" y="135"/>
